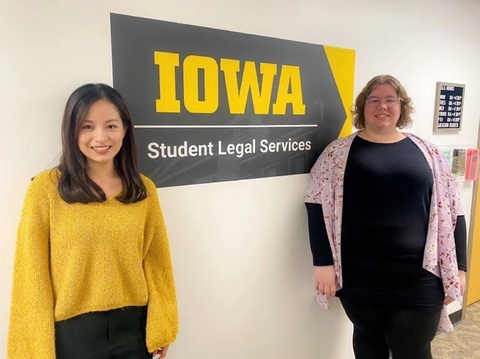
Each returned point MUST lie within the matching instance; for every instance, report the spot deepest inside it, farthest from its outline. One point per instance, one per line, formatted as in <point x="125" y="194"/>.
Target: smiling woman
<point x="100" y="140"/>
<point x="93" y="276"/>
<point x="388" y="200"/>
<point x="381" y="108"/>
<point x="101" y="134"/>
<point x="93" y="158"/>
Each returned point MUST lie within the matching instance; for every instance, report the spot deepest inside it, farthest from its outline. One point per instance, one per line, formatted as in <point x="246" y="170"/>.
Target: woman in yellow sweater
<point x="93" y="276"/>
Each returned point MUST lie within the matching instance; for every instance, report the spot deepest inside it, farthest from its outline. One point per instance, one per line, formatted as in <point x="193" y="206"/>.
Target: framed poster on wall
<point x="448" y="107"/>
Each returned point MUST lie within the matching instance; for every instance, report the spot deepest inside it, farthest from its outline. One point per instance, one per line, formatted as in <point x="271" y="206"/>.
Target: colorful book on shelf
<point x="471" y="164"/>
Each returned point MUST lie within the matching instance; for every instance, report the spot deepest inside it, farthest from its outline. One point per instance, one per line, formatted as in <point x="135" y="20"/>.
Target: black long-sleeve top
<point x="387" y="194"/>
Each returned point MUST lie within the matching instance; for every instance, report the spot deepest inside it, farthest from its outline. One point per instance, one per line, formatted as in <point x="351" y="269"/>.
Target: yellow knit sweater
<point x="78" y="258"/>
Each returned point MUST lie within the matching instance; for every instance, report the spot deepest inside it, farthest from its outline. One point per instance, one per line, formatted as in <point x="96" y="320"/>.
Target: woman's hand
<point x="463" y="285"/>
<point x="325" y="280"/>
<point x="160" y="353"/>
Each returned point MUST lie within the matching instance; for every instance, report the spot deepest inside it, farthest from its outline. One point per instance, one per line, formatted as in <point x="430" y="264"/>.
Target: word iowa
<point x="202" y="73"/>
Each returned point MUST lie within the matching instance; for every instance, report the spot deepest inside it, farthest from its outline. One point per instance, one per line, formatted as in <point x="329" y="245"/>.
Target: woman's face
<point x="101" y="134"/>
<point x="382" y="109"/>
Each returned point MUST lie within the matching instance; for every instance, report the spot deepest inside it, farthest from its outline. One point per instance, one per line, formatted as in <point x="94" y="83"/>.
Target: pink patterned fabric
<point x="326" y="188"/>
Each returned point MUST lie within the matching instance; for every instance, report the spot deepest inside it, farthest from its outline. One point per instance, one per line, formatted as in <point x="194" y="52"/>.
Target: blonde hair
<point x="405" y="101"/>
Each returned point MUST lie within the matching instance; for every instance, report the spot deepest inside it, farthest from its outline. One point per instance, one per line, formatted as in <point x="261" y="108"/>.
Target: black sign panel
<point x="211" y="105"/>
<point x="448" y="106"/>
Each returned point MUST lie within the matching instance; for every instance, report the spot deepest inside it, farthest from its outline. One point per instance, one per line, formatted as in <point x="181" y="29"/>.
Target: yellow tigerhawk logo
<point x="289" y="85"/>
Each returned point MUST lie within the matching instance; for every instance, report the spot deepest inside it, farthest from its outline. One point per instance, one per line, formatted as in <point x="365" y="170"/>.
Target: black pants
<point x="114" y="334"/>
<point x="377" y="330"/>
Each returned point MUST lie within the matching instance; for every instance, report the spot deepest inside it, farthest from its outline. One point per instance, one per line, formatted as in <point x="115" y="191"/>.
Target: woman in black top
<point x="392" y="301"/>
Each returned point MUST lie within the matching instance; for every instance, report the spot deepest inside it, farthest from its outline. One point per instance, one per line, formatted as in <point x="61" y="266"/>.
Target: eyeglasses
<point x="375" y="101"/>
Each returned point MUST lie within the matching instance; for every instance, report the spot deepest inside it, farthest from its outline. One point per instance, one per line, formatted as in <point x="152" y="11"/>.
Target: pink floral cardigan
<point x="326" y="188"/>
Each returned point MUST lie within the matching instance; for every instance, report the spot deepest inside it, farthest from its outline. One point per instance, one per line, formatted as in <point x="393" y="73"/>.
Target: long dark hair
<point x="74" y="184"/>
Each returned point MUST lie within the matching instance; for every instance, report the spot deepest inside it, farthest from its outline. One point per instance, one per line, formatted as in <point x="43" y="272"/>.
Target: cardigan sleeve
<point x="162" y="314"/>
<point x="319" y="179"/>
<point x="319" y="203"/>
<point x="31" y="331"/>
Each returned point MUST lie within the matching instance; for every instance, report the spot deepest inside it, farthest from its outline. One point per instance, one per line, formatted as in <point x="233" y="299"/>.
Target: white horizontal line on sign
<point x="220" y="126"/>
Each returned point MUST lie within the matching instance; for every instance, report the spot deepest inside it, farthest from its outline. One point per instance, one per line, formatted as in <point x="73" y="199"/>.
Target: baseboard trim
<point x="456" y="317"/>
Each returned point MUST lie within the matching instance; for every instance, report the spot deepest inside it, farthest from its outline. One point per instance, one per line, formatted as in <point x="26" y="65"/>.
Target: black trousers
<point x="379" y="330"/>
<point x="114" y="334"/>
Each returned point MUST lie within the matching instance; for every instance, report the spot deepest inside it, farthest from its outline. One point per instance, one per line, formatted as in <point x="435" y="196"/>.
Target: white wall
<point x="240" y="249"/>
